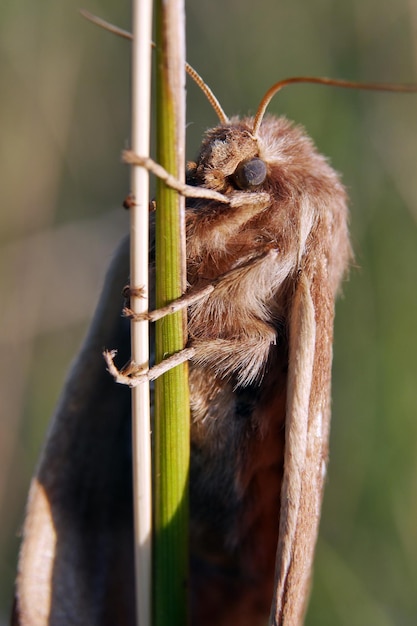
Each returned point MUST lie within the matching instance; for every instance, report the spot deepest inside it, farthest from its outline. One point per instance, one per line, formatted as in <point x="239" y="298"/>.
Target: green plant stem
<point x="171" y="428"/>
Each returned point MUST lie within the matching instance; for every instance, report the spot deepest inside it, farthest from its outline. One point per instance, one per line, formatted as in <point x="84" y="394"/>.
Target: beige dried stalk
<point x="141" y="430"/>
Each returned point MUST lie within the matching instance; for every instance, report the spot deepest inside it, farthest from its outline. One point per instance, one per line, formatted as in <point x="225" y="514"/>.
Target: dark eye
<point x="250" y="173"/>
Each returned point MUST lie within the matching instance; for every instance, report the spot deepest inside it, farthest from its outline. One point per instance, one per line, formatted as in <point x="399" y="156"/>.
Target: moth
<point x="267" y="249"/>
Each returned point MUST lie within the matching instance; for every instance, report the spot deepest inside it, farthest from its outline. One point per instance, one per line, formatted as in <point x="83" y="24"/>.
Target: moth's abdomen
<point x="236" y="472"/>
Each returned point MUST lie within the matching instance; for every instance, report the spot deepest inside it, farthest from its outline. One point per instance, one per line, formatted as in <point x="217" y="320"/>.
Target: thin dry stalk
<point x="142" y="472"/>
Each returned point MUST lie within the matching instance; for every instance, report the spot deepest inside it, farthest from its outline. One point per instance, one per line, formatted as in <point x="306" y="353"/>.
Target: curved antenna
<point x="346" y="84"/>
<point x="190" y="70"/>
<point x="208" y="93"/>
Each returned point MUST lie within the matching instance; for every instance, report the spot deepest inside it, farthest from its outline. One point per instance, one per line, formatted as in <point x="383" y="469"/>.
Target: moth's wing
<point x="75" y="563"/>
<point x="306" y="444"/>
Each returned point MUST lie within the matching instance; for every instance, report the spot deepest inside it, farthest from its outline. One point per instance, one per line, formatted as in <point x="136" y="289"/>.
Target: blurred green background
<point x="64" y="110"/>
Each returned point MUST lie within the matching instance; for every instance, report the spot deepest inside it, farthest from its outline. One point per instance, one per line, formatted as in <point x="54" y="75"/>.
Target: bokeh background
<point x="64" y="111"/>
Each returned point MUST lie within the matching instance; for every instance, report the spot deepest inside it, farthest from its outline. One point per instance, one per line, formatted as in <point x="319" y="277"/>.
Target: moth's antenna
<point x="347" y="84"/>
<point x="208" y="93"/>
<point x="190" y="70"/>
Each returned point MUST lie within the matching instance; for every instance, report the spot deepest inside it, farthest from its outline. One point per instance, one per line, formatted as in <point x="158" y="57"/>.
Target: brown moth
<point x="267" y="248"/>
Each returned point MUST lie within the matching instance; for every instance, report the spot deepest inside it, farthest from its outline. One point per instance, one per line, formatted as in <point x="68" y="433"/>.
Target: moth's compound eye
<point x="250" y="173"/>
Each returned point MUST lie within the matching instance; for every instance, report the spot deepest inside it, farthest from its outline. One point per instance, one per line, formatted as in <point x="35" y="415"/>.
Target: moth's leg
<point x="176" y="305"/>
<point x="197" y="294"/>
<point x="134" y="374"/>
<point x="186" y="190"/>
<point x="236" y="199"/>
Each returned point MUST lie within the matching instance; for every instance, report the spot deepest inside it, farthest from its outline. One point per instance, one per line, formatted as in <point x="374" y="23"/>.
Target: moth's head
<point x="277" y="160"/>
<point x="230" y="159"/>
